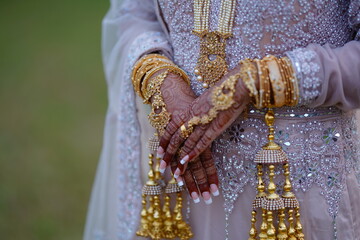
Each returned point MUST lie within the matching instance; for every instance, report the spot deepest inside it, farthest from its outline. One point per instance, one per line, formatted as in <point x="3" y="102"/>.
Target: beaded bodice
<point x="320" y="142"/>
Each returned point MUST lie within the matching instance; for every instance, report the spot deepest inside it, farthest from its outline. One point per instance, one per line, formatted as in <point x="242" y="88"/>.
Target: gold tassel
<point x="271" y="229"/>
<point x="291" y="230"/>
<point x="169" y="227"/>
<point x="252" y="232"/>
<point x="143" y="228"/>
<point x="298" y="227"/>
<point x="288" y="196"/>
<point x="282" y="230"/>
<point x="183" y="229"/>
<point x="261" y="195"/>
<point x="156" y="231"/>
<point x="151" y="219"/>
<point x="264" y="227"/>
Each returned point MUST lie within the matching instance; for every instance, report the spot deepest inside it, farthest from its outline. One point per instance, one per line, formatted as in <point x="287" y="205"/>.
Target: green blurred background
<point x="53" y="102"/>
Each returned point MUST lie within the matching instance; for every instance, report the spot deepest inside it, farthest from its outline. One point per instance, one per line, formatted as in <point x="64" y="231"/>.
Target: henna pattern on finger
<point x="199" y="175"/>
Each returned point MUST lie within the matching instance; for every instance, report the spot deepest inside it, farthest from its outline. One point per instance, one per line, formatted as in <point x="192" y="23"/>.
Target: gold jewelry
<point x="211" y="65"/>
<point x="159" y="117"/>
<point x="185" y="132"/>
<point x="222" y="98"/>
<point x="248" y="74"/>
<point x="277" y="83"/>
<point x="170" y="68"/>
<point x="138" y="74"/>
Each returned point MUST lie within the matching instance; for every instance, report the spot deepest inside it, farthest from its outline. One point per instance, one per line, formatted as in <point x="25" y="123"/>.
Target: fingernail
<point x="214" y="190"/>
<point x="207" y="198"/>
<point x="195" y="197"/>
<point x="162" y="166"/>
<point x="184" y="160"/>
<point x="160" y="153"/>
<point x="180" y="183"/>
<point x="177" y="173"/>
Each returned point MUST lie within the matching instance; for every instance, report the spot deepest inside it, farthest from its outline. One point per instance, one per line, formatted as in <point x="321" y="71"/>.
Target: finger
<point x="189" y="144"/>
<point x="173" y="147"/>
<point x="208" y="163"/>
<point x="170" y="129"/>
<point x="202" y="144"/>
<point x="191" y="186"/>
<point x="199" y="175"/>
<point x="179" y="179"/>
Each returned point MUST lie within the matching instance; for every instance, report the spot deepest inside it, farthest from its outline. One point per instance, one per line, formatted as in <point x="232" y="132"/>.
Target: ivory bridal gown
<point x="319" y="135"/>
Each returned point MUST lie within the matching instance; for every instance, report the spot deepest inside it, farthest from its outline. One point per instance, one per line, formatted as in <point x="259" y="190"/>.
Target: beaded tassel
<point x="264" y="227"/>
<point x="298" y="227"/>
<point x="271" y="203"/>
<point x="183" y="229"/>
<point x="151" y="219"/>
<point x="169" y="225"/>
<point x="288" y="196"/>
<point x="282" y="230"/>
<point x="156" y="230"/>
<point x="271" y="229"/>
<point x="252" y="232"/>
<point x="291" y="230"/>
<point x="143" y="228"/>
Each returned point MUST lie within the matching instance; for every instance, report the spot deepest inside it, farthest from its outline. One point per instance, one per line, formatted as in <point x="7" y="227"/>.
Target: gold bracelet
<point x="222" y="98"/>
<point x="277" y="83"/>
<point x="248" y="73"/>
<point x="293" y="82"/>
<point x="265" y="85"/>
<point x="138" y="73"/>
<point x="261" y="91"/>
<point x="159" y="117"/>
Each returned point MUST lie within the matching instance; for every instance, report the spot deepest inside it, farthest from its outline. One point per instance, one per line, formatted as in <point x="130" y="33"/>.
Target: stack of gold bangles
<point x="278" y="85"/>
<point x="147" y="77"/>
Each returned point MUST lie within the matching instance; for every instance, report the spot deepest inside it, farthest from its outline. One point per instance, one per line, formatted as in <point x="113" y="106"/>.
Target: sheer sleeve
<point x="130" y="29"/>
<point x="330" y="76"/>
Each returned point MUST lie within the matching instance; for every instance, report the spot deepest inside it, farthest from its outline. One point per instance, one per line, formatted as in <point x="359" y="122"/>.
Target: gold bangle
<point x="169" y="67"/>
<point x="293" y="82"/>
<point x="150" y="59"/>
<point x="277" y="83"/>
<point x="248" y="73"/>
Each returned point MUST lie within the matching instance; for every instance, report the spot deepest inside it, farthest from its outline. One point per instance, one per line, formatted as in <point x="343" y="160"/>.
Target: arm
<point x="330" y="76"/>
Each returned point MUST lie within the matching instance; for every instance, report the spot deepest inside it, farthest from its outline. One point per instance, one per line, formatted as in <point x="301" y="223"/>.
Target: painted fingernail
<point x="214" y="190"/>
<point x="207" y="198"/>
<point x="184" y="160"/>
<point x="177" y="173"/>
<point x="160" y="153"/>
<point x="180" y="183"/>
<point x="195" y="197"/>
<point x="162" y="166"/>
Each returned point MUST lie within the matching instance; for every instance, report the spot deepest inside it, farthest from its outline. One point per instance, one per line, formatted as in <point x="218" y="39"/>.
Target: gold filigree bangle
<point x="248" y="73"/>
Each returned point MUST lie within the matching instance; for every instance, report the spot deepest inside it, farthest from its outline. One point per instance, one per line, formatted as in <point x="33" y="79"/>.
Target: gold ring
<point x="185" y="132"/>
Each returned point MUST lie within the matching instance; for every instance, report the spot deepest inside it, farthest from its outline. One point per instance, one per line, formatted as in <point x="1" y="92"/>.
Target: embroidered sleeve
<point x="307" y="72"/>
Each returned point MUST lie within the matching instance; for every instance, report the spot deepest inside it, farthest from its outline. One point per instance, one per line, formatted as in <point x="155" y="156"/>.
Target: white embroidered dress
<point x="319" y="135"/>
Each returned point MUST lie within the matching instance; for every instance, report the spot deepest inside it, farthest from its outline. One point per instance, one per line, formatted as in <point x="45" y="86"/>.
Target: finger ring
<point x="185" y="132"/>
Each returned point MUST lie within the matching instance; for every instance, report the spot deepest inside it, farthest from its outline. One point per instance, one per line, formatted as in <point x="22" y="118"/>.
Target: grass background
<point x="52" y="102"/>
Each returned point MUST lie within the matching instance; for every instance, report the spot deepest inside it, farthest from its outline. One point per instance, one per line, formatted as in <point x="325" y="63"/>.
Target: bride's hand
<point x="202" y="134"/>
<point x="200" y="176"/>
<point x="178" y="96"/>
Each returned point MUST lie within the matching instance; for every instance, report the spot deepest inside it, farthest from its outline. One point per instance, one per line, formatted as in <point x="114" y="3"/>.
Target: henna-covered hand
<point x="201" y="175"/>
<point x="202" y="134"/>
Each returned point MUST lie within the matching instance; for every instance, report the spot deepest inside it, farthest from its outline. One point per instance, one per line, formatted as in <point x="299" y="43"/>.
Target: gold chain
<point x="211" y="64"/>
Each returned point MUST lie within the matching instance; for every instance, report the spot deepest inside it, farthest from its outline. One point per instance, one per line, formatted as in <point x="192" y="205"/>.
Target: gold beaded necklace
<point x="211" y="64"/>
